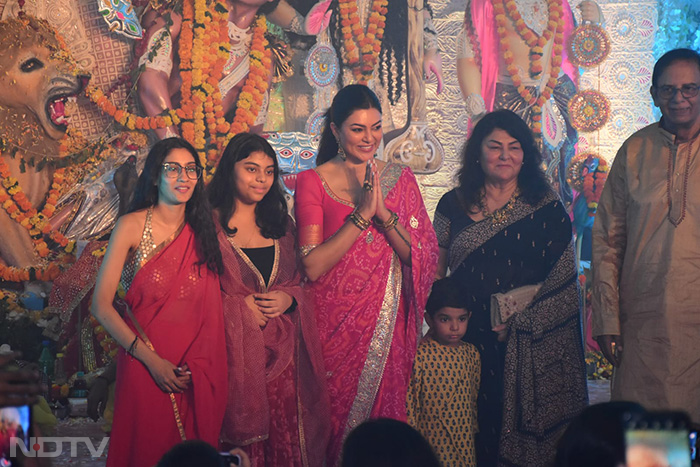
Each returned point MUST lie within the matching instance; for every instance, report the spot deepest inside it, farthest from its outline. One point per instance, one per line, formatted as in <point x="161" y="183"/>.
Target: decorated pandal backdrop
<point x="76" y="65"/>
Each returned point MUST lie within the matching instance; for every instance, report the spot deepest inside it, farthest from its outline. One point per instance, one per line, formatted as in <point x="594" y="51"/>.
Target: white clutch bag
<point x="505" y="305"/>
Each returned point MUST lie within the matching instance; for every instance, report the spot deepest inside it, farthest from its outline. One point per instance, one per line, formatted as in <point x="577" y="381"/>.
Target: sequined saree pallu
<point x="368" y="306"/>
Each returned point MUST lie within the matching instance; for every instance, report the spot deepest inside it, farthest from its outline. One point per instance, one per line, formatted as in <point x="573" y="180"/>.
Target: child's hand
<point x="273" y="304"/>
<point x="259" y="316"/>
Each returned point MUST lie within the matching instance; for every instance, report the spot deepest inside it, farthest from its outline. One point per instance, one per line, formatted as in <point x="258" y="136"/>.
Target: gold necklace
<point x="498" y="216"/>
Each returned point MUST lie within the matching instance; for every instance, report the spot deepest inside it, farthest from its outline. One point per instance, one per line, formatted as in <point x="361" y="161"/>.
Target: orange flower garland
<point x="208" y="118"/>
<point x="18" y="207"/>
<point x="108" y="344"/>
<point x="203" y="50"/>
<point x="356" y="41"/>
<point x="44" y="273"/>
<point x="593" y="183"/>
<point x="252" y="94"/>
<point x="126" y="118"/>
<point x="555" y="27"/>
<point x="587" y="173"/>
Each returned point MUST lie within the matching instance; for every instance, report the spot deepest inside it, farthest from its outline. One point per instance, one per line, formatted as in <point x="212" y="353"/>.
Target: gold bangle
<point x="359" y="221"/>
<point x="389" y="224"/>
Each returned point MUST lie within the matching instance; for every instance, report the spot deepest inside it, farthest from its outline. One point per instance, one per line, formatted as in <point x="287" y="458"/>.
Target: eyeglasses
<point x="669" y="92"/>
<point x="173" y="170"/>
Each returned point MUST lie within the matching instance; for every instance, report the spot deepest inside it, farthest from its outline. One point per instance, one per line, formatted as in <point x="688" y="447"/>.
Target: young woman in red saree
<point x="171" y="372"/>
<point x="278" y="404"/>
<point x="370" y="253"/>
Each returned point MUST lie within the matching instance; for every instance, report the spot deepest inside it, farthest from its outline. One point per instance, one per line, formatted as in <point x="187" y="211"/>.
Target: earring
<point x="341" y="152"/>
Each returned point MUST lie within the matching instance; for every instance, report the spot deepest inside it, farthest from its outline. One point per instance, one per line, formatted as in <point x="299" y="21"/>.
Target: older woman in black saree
<point x="501" y="229"/>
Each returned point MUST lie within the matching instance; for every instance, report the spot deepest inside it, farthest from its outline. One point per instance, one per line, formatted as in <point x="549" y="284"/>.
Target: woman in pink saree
<point x="277" y="406"/>
<point x="370" y="253"/>
<point x="171" y="371"/>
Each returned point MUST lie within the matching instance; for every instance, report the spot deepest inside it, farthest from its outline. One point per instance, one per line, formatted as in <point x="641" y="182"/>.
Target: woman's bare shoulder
<point x="130" y="226"/>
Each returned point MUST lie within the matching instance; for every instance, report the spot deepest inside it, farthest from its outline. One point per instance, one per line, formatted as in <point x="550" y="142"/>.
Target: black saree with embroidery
<point x="534" y="383"/>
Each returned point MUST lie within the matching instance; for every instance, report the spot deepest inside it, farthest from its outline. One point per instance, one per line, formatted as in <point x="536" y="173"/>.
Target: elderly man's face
<point x="679" y="111"/>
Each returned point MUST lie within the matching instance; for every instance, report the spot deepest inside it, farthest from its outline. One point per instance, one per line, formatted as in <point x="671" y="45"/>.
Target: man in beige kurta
<point x="646" y="250"/>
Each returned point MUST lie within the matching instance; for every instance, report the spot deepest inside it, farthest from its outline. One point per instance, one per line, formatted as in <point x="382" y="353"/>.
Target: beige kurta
<point x="646" y="239"/>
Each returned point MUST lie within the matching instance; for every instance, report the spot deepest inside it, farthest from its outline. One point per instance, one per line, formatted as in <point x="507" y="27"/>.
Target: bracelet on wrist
<point x="132" y="347"/>
<point x="359" y="221"/>
<point x="390" y="223"/>
<point x="474" y="105"/>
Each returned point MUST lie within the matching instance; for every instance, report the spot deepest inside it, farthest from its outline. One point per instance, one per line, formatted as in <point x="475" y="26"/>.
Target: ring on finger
<point x="367" y="186"/>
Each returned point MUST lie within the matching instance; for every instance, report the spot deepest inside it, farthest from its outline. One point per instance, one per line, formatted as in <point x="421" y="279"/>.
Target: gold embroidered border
<point x="330" y="192"/>
<point x="389" y="176"/>
<point x="306" y="249"/>
<point x="300" y="408"/>
<point x="173" y="402"/>
<point x="378" y="352"/>
<point x="312" y="236"/>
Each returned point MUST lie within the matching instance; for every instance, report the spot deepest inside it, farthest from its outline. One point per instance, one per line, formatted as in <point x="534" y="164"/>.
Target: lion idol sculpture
<point x="38" y="79"/>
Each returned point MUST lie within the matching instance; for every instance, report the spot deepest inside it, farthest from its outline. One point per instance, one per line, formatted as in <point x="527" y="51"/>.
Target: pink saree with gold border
<point x="369" y="306"/>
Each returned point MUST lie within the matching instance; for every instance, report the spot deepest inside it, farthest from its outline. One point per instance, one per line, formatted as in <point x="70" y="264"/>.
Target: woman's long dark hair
<point x="532" y="180"/>
<point x="271" y="211"/>
<point x="345" y="102"/>
<point x="197" y="209"/>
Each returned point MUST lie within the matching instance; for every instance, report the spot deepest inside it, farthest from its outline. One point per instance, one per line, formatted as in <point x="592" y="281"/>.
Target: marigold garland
<point x="356" y="42"/>
<point x="19" y="208"/>
<point x="252" y="94"/>
<point x="555" y="28"/>
<point x="590" y="182"/>
<point x="203" y="49"/>
<point x="126" y="118"/>
<point x="593" y="183"/>
<point x="108" y="344"/>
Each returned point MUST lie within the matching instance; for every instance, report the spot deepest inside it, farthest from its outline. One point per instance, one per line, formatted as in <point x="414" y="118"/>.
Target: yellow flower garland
<point x="555" y="27"/>
<point x="203" y="49"/>
<point x="356" y="41"/>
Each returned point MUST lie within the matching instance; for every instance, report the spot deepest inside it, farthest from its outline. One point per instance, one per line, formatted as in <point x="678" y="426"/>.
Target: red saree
<point x="178" y="305"/>
<point x="277" y="401"/>
<point x="369" y="306"/>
